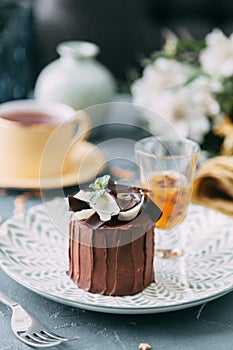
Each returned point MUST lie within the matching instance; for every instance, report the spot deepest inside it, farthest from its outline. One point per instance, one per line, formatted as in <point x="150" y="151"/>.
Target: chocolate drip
<point x="149" y="249"/>
<point x="139" y="256"/>
<point x="85" y="259"/>
<point x="99" y="282"/>
<point x="111" y="262"/>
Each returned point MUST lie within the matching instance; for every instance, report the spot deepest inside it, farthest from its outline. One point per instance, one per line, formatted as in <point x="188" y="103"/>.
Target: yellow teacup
<point x="36" y="136"/>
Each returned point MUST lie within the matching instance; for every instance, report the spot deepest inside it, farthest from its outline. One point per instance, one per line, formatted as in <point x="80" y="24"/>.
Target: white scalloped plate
<point x="35" y="254"/>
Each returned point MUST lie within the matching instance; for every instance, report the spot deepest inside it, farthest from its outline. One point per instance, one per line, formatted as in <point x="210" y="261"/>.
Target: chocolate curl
<point x="94" y="221"/>
<point x="118" y="188"/>
<point x="119" y="192"/>
<point x="149" y="207"/>
<point x="152" y="210"/>
<point x="76" y="204"/>
<point x="126" y="197"/>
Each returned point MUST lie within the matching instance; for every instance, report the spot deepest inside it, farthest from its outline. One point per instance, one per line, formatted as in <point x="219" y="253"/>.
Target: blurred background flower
<point x="189" y="83"/>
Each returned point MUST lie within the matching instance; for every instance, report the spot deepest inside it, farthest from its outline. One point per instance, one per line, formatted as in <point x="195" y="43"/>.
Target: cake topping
<point x="99" y="188"/>
<point x="108" y="200"/>
<point x="105" y="205"/>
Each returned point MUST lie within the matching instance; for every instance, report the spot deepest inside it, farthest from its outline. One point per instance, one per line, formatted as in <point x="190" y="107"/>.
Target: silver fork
<point x="28" y="329"/>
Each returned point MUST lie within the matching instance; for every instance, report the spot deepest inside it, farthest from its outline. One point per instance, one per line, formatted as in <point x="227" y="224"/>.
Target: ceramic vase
<point x="76" y="78"/>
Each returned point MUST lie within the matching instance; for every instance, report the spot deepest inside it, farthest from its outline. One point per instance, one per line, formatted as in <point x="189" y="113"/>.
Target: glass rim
<point x="162" y="140"/>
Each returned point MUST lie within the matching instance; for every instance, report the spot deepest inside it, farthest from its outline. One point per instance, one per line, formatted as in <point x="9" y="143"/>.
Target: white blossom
<point x="217" y="57"/>
<point x="185" y="107"/>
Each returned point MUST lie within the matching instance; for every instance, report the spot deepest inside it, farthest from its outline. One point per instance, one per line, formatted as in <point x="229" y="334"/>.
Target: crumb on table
<point x="144" y="346"/>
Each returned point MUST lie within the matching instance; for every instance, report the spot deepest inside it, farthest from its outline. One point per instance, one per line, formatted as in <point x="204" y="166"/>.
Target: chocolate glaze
<point x="101" y="262"/>
<point x="114" y="257"/>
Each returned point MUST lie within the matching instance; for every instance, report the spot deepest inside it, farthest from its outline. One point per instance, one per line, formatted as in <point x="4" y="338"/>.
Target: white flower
<point x="180" y="107"/>
<point x="217" y="58"/>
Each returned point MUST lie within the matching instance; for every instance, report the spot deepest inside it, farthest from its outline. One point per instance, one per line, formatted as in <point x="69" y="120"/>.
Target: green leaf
<point x="99" y="186"/>
<point x="101" y="183"/>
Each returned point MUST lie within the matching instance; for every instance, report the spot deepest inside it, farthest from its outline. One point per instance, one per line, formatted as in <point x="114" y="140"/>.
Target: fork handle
<point x="7" y="300"/>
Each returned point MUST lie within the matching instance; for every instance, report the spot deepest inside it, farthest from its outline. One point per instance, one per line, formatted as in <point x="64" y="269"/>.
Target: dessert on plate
<point x="111" y="238"/>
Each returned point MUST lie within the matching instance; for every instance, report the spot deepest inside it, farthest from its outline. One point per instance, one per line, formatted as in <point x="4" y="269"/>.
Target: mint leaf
<point x="99" y="186"/>
<point x="101" y="183"/>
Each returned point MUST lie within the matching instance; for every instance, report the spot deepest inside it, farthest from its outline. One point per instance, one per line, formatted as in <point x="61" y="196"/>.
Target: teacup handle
<point x="84" y="126"/>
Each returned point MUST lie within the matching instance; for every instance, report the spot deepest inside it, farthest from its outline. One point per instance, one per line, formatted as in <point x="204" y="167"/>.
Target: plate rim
<point x="117" y="309"/>
<point x="114" y="309"/>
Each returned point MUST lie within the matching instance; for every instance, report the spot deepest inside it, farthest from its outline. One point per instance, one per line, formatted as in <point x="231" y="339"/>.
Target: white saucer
<point x="86" y="163"/>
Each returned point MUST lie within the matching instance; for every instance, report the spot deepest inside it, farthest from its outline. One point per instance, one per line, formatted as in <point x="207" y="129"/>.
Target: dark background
<point x="123" y="28"/>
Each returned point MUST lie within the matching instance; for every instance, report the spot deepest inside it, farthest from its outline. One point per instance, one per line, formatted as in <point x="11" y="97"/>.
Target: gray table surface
<point x="208" y="326"/>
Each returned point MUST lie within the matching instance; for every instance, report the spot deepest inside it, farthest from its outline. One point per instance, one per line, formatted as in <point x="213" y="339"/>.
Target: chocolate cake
<point x="111" y="247"/>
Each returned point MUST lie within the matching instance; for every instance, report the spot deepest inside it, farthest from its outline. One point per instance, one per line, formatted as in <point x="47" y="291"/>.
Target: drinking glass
<point x="166" y="168"/>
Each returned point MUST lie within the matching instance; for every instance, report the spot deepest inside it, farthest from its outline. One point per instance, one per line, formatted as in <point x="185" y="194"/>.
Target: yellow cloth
<point x="213" y="186"/>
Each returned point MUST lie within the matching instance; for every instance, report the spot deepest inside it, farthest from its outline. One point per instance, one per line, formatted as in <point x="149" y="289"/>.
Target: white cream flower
<point x="217" y="57"/>
<point x="179" y="107"/>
